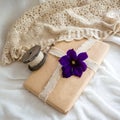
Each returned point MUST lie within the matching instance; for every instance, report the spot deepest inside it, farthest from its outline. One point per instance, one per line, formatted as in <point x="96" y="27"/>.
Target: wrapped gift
<point x="60" y="92"/>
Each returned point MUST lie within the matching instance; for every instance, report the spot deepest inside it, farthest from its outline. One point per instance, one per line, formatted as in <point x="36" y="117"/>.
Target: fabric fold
<point x="64" y="20"/>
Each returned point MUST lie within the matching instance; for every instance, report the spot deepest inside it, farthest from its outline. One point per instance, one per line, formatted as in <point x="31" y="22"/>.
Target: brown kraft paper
<point x="69" y="89"/>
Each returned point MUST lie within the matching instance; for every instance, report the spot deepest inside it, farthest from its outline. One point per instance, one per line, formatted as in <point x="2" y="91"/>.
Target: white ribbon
<point x="56" y="75"/>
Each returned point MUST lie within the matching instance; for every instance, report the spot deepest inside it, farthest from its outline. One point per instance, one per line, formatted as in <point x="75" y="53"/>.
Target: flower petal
<point x="72" y="54"/>
<point x="66" y="71"/>
<point x="82" y="56"/>
<point x="64" y="60"/>
<point x="83" y="66"/>
<point x="77" y="71"/>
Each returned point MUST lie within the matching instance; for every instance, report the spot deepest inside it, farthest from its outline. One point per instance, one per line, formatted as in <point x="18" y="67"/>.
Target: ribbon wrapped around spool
<point x="34" y="57"/>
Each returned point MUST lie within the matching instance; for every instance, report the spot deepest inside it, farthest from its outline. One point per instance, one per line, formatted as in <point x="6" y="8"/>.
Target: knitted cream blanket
<point x="58" y="20"/>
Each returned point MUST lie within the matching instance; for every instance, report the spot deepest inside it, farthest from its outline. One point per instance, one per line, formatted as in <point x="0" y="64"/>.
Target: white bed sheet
<point x="99" y="101"/>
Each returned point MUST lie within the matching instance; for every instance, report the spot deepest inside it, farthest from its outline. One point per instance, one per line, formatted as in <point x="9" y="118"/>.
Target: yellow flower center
<point x="73" y="62"/>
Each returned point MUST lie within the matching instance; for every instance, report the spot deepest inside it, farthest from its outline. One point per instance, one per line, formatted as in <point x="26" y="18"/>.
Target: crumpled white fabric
<point x="99" y="101"/>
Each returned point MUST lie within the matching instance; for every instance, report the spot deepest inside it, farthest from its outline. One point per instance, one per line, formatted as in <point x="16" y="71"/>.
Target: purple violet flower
<point x="73" y="64"/>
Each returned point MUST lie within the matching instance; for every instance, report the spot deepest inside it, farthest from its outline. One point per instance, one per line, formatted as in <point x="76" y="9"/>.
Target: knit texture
<point x="58" y="20"/>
